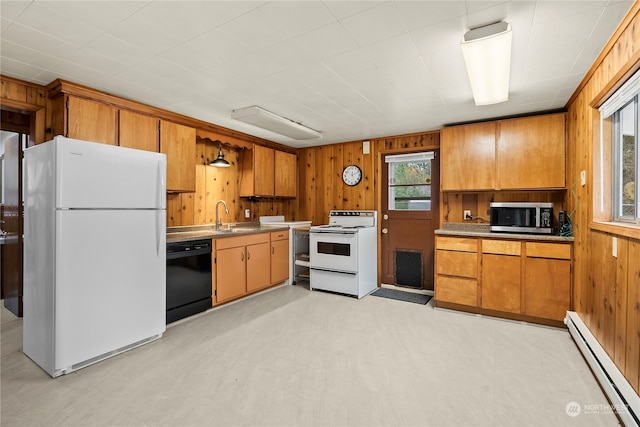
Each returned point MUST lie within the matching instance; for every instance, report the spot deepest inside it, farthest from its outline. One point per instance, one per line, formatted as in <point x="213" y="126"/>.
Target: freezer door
<point x="92" y="175"/>
<point x="110" y="281"/>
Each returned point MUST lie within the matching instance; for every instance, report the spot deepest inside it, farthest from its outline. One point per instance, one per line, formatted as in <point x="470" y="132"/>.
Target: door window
<point x="410" y="181"/>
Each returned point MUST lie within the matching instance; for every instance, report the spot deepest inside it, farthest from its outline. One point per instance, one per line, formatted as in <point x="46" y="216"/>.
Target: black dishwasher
<point x="188" y="278"/>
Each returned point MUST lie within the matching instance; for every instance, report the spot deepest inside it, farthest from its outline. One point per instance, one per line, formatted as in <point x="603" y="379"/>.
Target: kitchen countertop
<point x="197" y="232"/>
<point x="482" y="230"/>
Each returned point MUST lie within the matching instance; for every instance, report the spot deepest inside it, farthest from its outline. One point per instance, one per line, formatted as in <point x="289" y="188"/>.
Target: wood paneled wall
<point x="213" y="184"/>
<point x="320" y="185"/>
<point x="606" y="288"/>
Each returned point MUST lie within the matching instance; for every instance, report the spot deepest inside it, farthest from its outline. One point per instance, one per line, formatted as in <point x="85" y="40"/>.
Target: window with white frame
<point x="410" y="181"/>
<point x="620" y="118"/>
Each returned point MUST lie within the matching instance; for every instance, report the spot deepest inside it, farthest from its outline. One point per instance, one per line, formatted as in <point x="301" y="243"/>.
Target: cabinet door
<point x="92" y="121"/>
<point x="139" y="131"/>
<point x="547" y="288"/>
<point x="453" y="263"/>
<point x="231" y="274"/>
<point x="285" y="174"/>
<point x="501" y="282"/>
<point x="264" y="167"/>
<point x="178" y="142"/>
<point x="468" y="157"/>
<point x="279" y="261"/>
<point x="531" y="152"/>
<point x="258" y="266"/>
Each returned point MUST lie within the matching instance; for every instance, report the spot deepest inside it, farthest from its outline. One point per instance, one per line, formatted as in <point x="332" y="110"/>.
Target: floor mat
<point x="402" y="296"/>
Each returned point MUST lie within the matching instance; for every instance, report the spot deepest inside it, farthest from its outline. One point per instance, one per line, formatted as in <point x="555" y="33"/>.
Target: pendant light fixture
<point x="220" y="162"/>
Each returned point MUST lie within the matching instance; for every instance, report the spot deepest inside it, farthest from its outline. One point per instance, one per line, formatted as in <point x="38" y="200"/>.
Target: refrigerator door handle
<point x="160" y="185"/>
<point x="159" y="230"/>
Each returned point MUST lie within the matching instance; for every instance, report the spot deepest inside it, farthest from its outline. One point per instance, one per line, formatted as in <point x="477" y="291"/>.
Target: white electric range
<point x="343" y="254"/>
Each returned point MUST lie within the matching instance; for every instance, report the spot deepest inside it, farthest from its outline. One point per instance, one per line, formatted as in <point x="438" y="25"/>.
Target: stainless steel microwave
<point x="525" y="217"/>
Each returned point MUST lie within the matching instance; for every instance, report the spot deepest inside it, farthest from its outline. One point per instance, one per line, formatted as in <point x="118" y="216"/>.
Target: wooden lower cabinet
<point x="279" y="256"/>
<point x="243" y="264"/>
<point x="231" y="274"/>
<point x="501" y="283"/>
<point x="457" y="270"/>
<point x="547" y="280"/>
<point x="525" y="280"/>
<point x="258" y="266"/>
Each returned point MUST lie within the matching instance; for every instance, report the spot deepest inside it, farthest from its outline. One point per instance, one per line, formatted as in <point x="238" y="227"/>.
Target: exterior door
<point x="410" y="214"/>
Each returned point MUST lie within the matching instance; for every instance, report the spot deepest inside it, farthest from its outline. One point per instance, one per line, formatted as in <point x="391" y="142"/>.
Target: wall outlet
<point x="466" y="214"/>
<point x="247" y="213"/>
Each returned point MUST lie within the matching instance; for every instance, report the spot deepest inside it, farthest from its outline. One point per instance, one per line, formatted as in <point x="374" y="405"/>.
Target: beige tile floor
<point x="290" y="357"/>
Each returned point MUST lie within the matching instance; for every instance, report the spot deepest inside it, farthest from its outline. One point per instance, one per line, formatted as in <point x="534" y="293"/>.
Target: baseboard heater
<point x="624" y="399"/>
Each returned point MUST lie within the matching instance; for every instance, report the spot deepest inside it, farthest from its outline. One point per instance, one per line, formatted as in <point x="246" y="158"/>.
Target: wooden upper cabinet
<point x="268" y="173"/>
<point x="92" y="121"/>
<point x="178" y="142"/>
<point x="139" y="131"/>
<point x="516" y="154"/>
<point x="264" y="163"/>
<point x="531" y="152"/>
<point x="285" y="174"/>
<point x="468" y="157"/>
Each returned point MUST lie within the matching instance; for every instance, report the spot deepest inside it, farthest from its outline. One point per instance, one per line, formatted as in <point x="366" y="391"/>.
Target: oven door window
<point x="330" y="248"/>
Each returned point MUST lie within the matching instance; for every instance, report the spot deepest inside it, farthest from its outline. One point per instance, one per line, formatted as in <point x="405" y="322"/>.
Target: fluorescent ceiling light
<point x="267" y="120"/>
<point x="487" y="54"/>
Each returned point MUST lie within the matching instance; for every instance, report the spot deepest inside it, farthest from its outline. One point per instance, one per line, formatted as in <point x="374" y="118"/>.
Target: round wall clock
<point x="352" y="175"/>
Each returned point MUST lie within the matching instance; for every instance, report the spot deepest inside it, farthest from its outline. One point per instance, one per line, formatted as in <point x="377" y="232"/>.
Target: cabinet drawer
<point x="457" y="290"/>
<point x="457" y="244"/>
<point x="501" y="247"/>
<point x="548" y="250"/>
<point x="455" y="263"/>
<point x="233" y="242"/>
<point x="279" y="235"/>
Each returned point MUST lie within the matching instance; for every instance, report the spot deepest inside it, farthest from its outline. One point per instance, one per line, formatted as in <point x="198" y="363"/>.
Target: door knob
<point x="385" y="230"/>
<point x="385" y="216"/>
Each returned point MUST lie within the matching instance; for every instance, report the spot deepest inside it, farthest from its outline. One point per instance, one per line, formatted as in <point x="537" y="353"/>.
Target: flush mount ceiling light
<point x="220" y="162"/>
<point x="487" y="55"/>
<point x="267" y="120"/>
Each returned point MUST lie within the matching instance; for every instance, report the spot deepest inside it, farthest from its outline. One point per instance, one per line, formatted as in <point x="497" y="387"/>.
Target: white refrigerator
<point x="94" y="252"/>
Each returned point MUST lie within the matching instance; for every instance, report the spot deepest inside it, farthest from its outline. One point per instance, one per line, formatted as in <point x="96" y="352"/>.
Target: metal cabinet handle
<point x="242" y="256"/>
<point x="248" y="255"/>
<point x="273" y="250"/>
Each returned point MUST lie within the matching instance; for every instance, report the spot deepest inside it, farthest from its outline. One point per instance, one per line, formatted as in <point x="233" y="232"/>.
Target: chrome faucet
<point x="226" y="209"/>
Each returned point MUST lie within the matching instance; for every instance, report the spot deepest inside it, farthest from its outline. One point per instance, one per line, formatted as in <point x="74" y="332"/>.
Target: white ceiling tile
<point x="254" y="29"/>
<point x="350" y="62"/>
<point x="297" y="17"/>
<point x="420" y="14"/>
<point x="219" y="44"/>
<point x="398" y="48"/>
<point x="101" y="17"/>
<point x="120" y="50"/>
<point x="57" y="25"/>
<point x="327" y="41"/>
<point x="190" y="57"/>
<point x="11" y="10"/>
<point x="95" y="61"/>
<point x="137" y="33"/>
<point x="38" y="41"/>
<point x="20" y="70"/>
<point x="345" y="8"/>
<point x="25" y="55"/>
<point x="375" y="24"/>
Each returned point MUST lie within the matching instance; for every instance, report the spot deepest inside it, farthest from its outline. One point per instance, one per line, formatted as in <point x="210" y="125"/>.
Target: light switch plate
<point x="247" y="213"/>
<point x="583" y="178"/>
<point x="614" y="247"/>
<point x="366" y="147"/>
